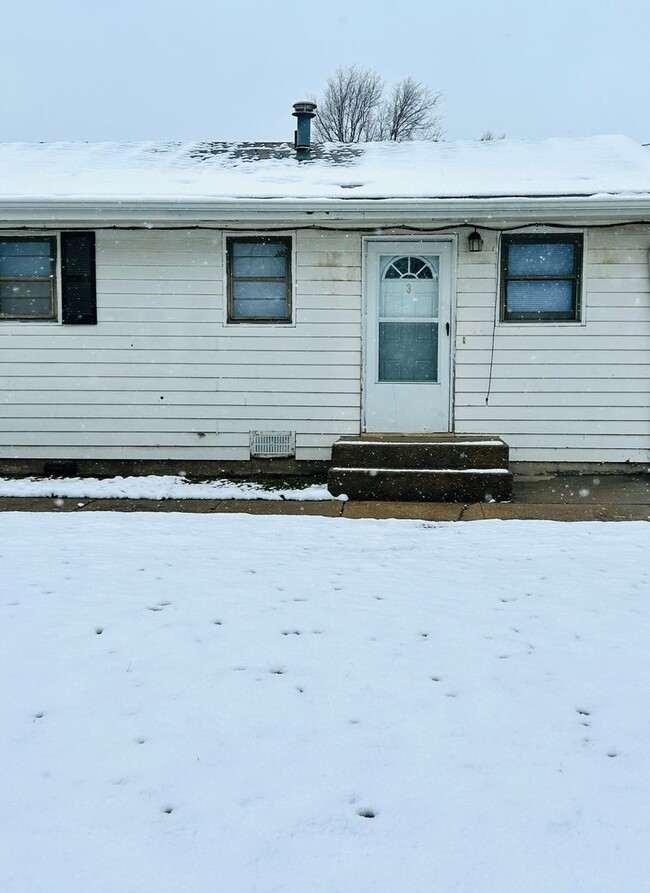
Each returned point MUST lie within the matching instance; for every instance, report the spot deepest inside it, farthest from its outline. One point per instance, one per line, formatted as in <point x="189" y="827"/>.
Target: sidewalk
<point x="563" y="498"/>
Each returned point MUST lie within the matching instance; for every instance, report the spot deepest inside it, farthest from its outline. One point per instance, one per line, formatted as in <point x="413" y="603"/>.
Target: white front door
<point x="407" y="347"/>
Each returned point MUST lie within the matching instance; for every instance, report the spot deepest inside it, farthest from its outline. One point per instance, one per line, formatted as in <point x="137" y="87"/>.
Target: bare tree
<point x="410" y="113"/>
<point x="348" y="110"/>
<point x="489" y="135"/>
<point x="353" y="109"/>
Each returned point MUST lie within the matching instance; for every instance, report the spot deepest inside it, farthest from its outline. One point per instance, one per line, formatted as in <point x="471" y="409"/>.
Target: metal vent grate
<point x="273" y="444"/>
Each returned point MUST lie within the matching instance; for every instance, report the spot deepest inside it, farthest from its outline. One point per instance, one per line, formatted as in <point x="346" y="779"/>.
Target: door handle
<point x="447" y="327"/>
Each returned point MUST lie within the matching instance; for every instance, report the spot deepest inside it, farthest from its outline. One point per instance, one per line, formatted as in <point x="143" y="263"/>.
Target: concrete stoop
<point x="425" y="468"/>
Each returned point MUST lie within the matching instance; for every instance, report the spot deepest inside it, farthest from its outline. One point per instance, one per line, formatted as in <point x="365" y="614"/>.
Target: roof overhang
<point x="149" y="213"/>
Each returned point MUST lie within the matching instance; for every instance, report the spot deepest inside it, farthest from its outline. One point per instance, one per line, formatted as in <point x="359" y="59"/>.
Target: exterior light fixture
<point x="475" y="241"/>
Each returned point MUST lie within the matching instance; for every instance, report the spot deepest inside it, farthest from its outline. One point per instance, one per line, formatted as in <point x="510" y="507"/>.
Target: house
<point x="206" y="306"/>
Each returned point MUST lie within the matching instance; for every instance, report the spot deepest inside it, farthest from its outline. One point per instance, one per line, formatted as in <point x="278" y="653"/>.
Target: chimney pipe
<point x="304" y="111"/>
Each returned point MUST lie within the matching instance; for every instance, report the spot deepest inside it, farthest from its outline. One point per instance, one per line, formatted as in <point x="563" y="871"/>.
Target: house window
<point x="540" y="277"/>
<point x="259" y="279"/>
<point x="28" y="277"/>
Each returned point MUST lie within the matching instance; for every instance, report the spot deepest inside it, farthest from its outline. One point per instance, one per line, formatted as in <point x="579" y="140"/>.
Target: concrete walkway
<point x="562" y="498"/>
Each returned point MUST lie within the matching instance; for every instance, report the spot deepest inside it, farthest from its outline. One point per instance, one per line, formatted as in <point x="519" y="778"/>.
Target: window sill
<point x="542" y="323"/>
<point x="258" y="322"/>
<point x="4" y="321"/>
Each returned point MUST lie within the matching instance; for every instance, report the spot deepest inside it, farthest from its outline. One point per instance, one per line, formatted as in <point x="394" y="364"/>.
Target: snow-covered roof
<point x="223" y="172"/>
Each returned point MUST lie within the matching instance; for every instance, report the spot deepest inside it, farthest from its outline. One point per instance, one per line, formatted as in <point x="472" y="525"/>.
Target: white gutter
<point x="307" y="211"/>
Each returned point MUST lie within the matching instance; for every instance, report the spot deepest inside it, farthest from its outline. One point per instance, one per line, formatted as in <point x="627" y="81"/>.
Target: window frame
<point x="576" y="278"/>
<point x="286" y="319"/>
<point x="53" y="279"/>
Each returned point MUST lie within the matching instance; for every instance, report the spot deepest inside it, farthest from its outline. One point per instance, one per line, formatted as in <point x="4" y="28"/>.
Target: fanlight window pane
<point x="540" y="296"/>
<point x="399" y="267"/>
<point x="408" y="351"/>
<point x="409" y="288"/>
<point x="411" y="268"/>
<point x="541" y="259"/>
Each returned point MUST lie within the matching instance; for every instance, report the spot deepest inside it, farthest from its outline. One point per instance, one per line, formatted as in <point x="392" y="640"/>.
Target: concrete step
<point x="421" y="485"/>
<point x="428" y="452"/>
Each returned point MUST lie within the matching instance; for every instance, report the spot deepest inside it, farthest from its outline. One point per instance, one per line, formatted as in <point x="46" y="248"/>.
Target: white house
<point x="196" y="304"/>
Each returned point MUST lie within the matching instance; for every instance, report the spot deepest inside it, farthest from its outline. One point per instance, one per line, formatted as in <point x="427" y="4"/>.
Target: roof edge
<point x="159" y="211"/>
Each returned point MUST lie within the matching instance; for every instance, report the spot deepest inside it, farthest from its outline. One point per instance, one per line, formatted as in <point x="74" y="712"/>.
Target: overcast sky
<point x="207" y="69"/>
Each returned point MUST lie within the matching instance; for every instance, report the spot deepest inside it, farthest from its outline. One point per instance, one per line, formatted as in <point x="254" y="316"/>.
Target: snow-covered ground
<point x="264" y="704"/>
<point x="151" y="486"/>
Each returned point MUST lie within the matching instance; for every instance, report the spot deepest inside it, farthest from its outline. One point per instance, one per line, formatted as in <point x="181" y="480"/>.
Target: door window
<point x="408" y="319"/>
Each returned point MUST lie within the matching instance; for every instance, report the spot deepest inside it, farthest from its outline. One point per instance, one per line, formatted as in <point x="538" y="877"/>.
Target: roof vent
<point x="304" y="111"/>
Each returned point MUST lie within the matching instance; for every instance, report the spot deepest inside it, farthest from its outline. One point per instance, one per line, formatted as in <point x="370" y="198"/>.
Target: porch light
<point x="475" y="241"/>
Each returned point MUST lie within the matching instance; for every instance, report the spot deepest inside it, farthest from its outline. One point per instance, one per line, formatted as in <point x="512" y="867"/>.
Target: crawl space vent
<point x="272" y="444"/>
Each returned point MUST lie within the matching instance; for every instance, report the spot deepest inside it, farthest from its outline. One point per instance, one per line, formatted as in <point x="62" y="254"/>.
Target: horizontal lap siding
<point x="561" y="393"/>
<point x="161" y="376"/>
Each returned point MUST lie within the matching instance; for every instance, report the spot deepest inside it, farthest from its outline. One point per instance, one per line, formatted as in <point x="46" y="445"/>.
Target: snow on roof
<point x="177" y="172"/>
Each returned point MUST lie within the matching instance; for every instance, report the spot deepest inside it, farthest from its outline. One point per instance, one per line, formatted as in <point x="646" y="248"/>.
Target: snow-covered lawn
<point x="236" y="704"/>
<point x="152" y="486"/>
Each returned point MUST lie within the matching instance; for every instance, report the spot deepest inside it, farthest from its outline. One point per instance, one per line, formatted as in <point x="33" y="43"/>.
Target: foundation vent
<point x="273" y="444"/>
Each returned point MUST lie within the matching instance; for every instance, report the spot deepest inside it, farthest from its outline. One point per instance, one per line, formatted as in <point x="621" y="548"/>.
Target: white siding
<point x="561" y="392"/>
<point x="162" y="376"/>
